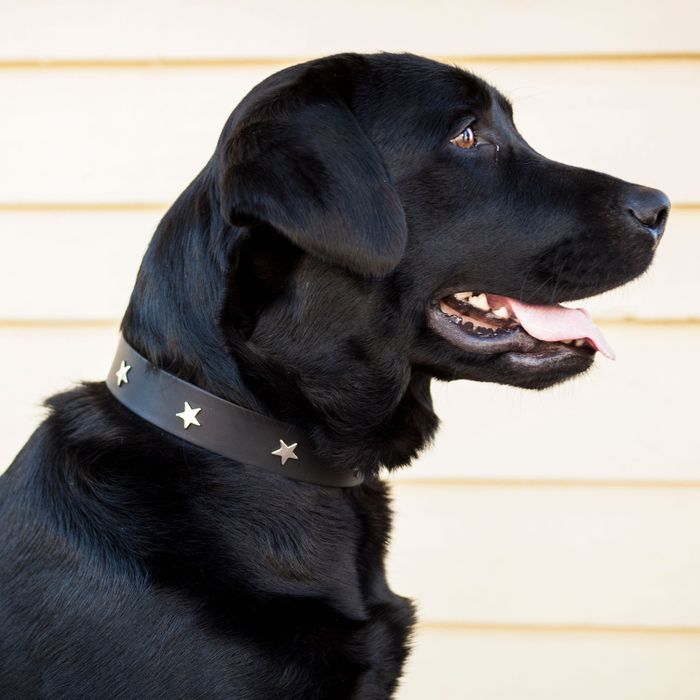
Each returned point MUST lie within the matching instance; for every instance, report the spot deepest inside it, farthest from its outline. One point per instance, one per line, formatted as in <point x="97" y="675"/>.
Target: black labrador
<point x="366" y="224"/>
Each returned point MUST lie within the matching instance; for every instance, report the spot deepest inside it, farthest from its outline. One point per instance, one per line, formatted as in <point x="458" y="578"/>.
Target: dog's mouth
<point x="488" y="324"/>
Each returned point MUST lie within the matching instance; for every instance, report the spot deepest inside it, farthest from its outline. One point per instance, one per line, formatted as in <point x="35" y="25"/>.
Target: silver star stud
<point x="285" y="452"/>
<point x="121" y="373"/>
<point x="189" y="415"/>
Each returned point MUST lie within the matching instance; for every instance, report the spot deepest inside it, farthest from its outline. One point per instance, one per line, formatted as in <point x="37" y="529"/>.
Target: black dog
<point x="366" y="224"/>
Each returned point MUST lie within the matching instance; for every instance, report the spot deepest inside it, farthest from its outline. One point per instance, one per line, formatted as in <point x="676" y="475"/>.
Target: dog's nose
<point x="650" y="208"/>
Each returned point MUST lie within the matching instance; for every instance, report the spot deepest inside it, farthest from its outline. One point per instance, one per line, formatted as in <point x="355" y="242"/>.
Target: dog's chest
<point x="331" y="628"/>
<point x="321" y="660"/>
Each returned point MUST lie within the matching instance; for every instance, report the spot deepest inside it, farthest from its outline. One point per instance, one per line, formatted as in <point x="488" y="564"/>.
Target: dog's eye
<point x="466" y="139"/>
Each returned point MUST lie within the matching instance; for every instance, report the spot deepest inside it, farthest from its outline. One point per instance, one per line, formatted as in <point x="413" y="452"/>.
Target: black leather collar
<point x="223" y="427"/>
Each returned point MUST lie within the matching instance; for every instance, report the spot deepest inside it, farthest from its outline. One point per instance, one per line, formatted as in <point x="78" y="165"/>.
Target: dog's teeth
<point x="462" y="295"/>
<point x="580" y="342"/>
<point x="480" y="302"/>
<point x="502" y="312"/>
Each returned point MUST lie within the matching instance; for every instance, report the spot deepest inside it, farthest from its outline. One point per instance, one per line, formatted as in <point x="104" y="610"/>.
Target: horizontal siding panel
<point x="112" y="135"/>
<point x="635" y="419"/>
<point x="125" y="135"/>
<point x="481" y="665"/>
<point x="71" y="265"/>
<point x="157" y="29"/>
<point x="548" y="556"/>
<point x="81" y="265"/>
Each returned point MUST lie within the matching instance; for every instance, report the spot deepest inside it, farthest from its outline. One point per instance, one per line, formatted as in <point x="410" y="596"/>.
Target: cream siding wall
<point x="552" y="540"/>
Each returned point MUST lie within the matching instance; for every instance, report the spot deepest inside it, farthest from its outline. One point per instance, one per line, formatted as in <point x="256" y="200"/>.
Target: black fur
<point x="292" y="277"/>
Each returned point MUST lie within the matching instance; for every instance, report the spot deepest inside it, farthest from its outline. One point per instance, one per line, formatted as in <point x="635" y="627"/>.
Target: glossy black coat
<point x="293" y="277"/>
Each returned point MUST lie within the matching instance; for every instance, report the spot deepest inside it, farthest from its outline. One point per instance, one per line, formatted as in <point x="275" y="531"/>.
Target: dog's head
<point x="370" y="222"/>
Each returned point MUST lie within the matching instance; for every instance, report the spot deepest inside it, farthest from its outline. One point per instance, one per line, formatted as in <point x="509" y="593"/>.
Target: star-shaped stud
<point x="285" y="452"/>
<point x="121" y="373"/>
<point x="189" y="416"/>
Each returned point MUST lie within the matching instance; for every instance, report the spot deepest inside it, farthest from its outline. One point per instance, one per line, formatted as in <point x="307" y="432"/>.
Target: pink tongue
<point x="555" y="322"/>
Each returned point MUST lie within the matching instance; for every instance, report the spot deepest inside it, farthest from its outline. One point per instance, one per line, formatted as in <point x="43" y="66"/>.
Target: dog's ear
<point x="302" y="164"/>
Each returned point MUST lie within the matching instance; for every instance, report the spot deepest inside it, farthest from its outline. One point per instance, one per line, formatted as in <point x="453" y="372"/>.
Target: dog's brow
<point x="505" y="104"/>
<point x="463" y="113"/>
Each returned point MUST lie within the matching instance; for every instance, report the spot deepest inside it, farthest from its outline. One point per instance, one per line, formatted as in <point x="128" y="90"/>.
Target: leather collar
<point x="208" y="421"/>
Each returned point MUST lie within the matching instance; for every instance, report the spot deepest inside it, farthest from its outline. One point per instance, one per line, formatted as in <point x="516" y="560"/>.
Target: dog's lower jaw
<point x="447" y="362"/>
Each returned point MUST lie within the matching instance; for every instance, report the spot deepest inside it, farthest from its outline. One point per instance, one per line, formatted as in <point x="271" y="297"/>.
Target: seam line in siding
<point x="540" y="483"/>
<point x="155" y="206"/>
<point x="78" y="207"/>
<point x="80" y="322"/>
<point x="545" y="628"/>
<point x="262" y="61"/>
<point x="65" y="323"/>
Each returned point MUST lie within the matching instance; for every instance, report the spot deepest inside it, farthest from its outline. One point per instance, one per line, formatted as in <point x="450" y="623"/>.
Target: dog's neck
<point x="365" y="438"/>
<point x="226" y="428"/>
